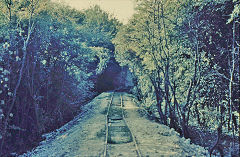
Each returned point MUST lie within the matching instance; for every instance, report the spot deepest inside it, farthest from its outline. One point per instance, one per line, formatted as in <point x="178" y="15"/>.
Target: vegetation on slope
<point x="50" y="59"/>
<point x="185" y="59"/>
<point x="184" y="56"/>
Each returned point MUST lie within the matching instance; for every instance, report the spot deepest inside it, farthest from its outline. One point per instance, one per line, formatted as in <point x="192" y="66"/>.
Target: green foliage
<point x="178" y="53"/>
<point x="66" y="50"/>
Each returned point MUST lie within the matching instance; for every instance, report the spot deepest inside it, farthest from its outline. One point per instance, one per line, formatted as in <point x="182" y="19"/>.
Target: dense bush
<point x="50" y="59"/>
<point x="185" y="58"/>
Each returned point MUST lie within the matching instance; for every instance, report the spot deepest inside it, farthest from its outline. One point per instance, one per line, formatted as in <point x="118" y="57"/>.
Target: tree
<point x="31" y="7"/>
<point x="184" y="67"/>
<point x="48" y="67"/>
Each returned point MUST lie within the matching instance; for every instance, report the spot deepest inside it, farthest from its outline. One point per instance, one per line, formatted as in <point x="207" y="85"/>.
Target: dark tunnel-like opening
<point x="114" y="77"/>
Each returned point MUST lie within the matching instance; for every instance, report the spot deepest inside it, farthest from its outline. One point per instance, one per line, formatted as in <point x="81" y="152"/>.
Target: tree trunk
<point x="159" y="103"/>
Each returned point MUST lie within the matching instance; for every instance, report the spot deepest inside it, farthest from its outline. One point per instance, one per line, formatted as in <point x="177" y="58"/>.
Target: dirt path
<point x="119" y="138"/>
<point x="85" y="135"/>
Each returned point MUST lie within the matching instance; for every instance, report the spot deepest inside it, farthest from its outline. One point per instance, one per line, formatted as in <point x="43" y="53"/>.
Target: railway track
<point x="119" y="138"/>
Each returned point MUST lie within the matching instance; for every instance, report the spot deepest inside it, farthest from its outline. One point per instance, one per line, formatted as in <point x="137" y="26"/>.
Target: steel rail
<point x="107" y="123"/>
<point x="133" y="136"/>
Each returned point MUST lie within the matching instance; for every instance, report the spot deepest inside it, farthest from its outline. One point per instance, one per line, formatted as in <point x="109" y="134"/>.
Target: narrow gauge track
<point x="119" y="138"/>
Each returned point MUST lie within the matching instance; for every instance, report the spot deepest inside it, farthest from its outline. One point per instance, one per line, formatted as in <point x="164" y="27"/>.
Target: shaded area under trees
<point x="50" y="59"/>
<point x="185" y="58"/>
